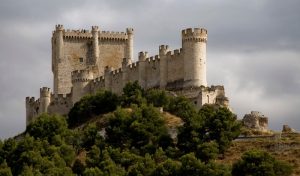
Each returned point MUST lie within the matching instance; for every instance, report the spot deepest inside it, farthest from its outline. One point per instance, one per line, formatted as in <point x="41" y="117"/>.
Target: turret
<point x="194" y="56"/>
<point x="142" y="69"/>
<point x="129" y="47"/>
<point x="163" y="49"/>
<point x="45" y="95"/>
<point x="96" y="52"/>
<point x="80" y="81"/>
<point x="59" y="53"/>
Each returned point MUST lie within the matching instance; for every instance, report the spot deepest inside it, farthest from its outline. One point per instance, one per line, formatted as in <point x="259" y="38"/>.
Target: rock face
<point x="288" y="129"/>
<point x="256" y="120"/>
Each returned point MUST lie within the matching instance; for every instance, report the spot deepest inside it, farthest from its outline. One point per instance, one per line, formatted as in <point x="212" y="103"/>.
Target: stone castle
<point x="85" y="61"/>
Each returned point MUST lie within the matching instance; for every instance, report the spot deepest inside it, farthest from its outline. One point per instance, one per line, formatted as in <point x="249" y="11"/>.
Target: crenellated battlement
<point x="129" y="30"/>
<point x="143" y="55"/>
<point x="59" y="27"/>
<point x="163" y="49"/>
<point x="116" y="72"/>
<point x="153" y="58"/>
<point x="196" y="34"/>
<point x="133" y="65"/>
<point x="45" y="92"/>
<point x="81" y="75"/>
<point x="30" y="100"/>
<point x="95" y="28"/>
<point x="174" y="53"/>
<point x="102" y="35"/>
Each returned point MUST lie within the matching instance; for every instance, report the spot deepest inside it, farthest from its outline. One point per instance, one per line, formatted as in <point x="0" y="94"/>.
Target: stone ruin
<point x="256" y="121"/>
<point x="288" y="129"/>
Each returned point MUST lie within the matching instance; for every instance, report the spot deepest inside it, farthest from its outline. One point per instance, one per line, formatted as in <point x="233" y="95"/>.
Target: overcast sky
<point x="253" y="48"/>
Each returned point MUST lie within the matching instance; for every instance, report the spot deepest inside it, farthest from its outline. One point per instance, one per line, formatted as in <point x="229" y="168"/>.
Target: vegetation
<point x="133" y="140"/>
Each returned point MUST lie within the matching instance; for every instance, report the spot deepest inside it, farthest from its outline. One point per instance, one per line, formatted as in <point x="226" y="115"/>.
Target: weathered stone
<point x="287" y="129"/>
<point x="256" y="120"/>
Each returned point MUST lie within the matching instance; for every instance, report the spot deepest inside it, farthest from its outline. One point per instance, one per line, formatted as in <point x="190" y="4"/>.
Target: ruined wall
<point x="212" y="95"/>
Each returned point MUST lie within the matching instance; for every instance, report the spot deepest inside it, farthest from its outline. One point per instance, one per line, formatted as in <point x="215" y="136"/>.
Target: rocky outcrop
<point x="256" y="121"/>
<point x="287" y="129"/>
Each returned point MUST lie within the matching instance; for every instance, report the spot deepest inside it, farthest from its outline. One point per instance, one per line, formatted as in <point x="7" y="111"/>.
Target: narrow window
<point x="208" y="99"/>
<point x="80" y="59"/>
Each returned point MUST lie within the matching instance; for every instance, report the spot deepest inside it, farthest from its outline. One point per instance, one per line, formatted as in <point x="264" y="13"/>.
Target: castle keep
<point x="85" y="61"/>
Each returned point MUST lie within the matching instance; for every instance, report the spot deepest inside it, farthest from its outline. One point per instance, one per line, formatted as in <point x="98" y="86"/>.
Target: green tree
<point x="158" y="98"/>
<point x="209" y="132"/>
<point x="258" y="163"/>
<point x="67" y="153"/>
<point x="142" y="129"/>
<point x="4" y="169"/>
<point x="91" y="105"/>
<point x="220" y="125"/>
<point x="46" y="126"/>
<point x="133" y="93"/>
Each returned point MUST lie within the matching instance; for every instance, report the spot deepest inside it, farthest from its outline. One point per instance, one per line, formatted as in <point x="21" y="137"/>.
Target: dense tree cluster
<point x="134" y="141"/>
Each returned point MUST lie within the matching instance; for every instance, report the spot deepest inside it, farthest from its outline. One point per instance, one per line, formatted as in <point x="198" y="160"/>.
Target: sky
<point x="253" y="48"/>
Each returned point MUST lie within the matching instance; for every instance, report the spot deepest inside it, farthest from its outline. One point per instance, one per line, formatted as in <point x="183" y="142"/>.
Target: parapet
<point x="30" y="100"/>
<point x="163" y="49"/>
<point x="81" y="75"/>
<point x="129" y="30"/>
<point x="45" y="92"/>
<point x="95" y="28"/>
<point x="196" y="34"/>
<point x="59" y="27"/>
<point x="143" y="55"/>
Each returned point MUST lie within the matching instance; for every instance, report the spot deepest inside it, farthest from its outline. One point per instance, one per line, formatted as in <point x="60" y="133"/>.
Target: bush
<point x="258" y="163"/>
<point x="91" y="105"/>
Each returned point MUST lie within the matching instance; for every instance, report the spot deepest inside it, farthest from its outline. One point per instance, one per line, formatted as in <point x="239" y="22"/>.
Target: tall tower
<point x="129" y="45"/>
<point x="194" y="51"/>
<point x="80" y="81"/>
<point x="163" y="49"/>
<point x="45" y="96"/>
<point x="57" y="55"/>
<point x="95" y="35"/>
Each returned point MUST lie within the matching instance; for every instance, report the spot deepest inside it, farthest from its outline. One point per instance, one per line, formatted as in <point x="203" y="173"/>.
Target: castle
<point x="85" y="61"/>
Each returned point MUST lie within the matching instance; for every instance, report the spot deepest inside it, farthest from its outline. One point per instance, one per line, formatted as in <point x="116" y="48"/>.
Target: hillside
<point x="142" y="132"/>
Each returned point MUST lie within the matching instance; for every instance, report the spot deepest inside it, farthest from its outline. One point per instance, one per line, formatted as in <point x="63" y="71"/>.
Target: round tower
<point x="58" y="55"/>
<point x="163" y="49"/>
<point x="194" y="56"/>
<point x="95" y="34"/>
<point x="142" y="69"/>
<point x="45" y="98"/>
<point x="81" y="86"/>
<point x="129" y="46"/>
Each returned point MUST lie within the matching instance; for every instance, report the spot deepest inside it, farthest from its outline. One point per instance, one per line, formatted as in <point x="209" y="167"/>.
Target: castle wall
<point x="175" y="69"/>
<point x="152" y="72"/>
<point x="117" y="81"/>
<point x="115" y="51"/>
<point x="60" y="104"/>
<point x="133" y="72"/>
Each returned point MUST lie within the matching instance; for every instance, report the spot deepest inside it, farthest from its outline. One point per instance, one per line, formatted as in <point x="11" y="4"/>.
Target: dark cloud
<point x="253" y="47"/>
